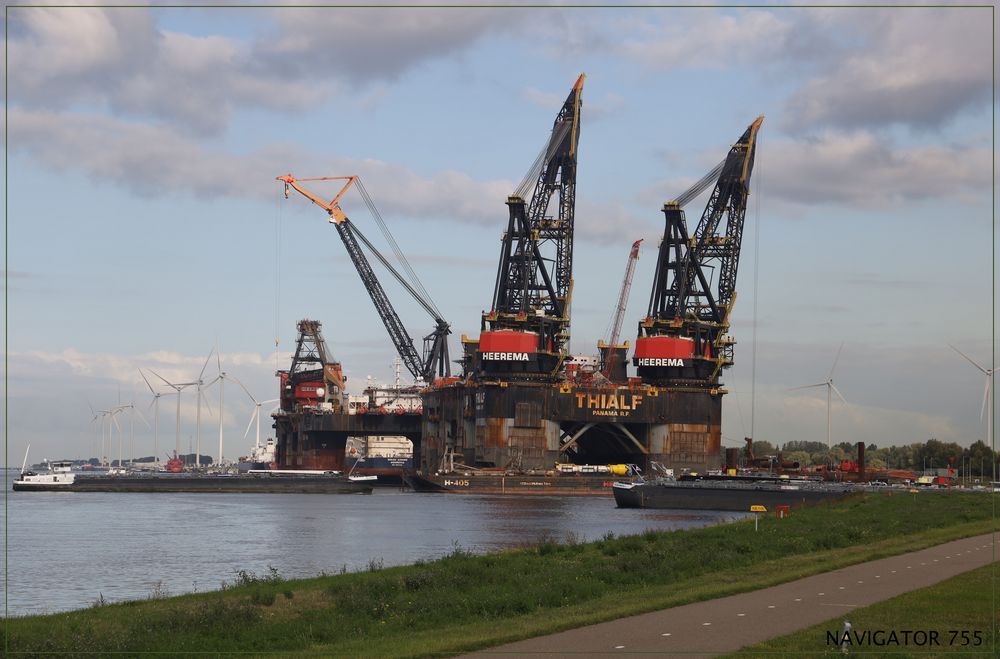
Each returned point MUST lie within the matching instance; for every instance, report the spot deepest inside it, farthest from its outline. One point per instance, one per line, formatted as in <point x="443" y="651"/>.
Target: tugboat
<point x="58" y="477"/>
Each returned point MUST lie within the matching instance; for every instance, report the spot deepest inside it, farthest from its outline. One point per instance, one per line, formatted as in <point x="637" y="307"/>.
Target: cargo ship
<point x="261" y="456"/>
<point x="387" y="456"/>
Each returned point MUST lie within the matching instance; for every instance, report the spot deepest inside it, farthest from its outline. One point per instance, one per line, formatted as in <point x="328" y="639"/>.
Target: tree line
<point x="975" y="461"/>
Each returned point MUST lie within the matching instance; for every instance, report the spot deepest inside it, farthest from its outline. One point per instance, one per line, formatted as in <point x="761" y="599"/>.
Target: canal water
<point x="66" y="550"/>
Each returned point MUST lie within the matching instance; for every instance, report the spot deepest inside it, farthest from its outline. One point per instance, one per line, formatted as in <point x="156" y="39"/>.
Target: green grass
<point x="962" y="603"/>
<point x="464" y="602"/>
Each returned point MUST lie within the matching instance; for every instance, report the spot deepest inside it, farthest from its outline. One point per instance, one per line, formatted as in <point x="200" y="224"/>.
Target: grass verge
<point x="955" y="617"/>
<point x="464" y="602"/>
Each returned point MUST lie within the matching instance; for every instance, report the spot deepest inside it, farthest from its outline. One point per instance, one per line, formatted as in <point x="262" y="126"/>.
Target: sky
<point x="144" y="226"/>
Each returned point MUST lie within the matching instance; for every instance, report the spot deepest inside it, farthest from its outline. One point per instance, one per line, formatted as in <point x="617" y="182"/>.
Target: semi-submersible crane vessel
<point x="520" y="418"/>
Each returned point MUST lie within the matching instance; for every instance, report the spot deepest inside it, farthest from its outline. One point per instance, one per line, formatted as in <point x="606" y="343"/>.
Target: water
<point x="65" y="550"/>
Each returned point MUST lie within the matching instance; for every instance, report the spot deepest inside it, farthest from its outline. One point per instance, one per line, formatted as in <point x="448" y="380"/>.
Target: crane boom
<point x="623" y="296"/>
<point x="435" y="359"/>
<point x="529" y="316"/>
<point x="683" y="337"/>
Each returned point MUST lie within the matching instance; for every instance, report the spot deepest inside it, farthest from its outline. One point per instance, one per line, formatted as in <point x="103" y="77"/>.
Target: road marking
<point x="909" y="567"/>
<point x="705" y="624"/>
<point x="798" y="599"/>
<point x="894" y="572"/>
<point x="619" y="647"/>
<point x="822" y="593"/>
<point x="770" y="606"/>
<point x="878" y="576"/>
<point x="740" y="615"/>
<point x="841" y="587"/>
<point x="667" y="634"/>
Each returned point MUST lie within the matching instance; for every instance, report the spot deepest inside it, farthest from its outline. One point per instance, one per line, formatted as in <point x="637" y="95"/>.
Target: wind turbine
<point x="221" y="379"/>
<point x="987" y="394"/>
<point x="256" y="412"/>
<point x="177" y="388"/>
<point x="200" y="383"/>
<point x="156" y="419"/>
<point x="830" y="387"/>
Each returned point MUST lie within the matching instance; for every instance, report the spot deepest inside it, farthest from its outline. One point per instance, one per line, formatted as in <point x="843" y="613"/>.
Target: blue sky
<point x="144" y="223"/>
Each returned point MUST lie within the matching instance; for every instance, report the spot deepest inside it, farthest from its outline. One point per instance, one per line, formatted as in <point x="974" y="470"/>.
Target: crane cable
<point x="420" y="292"/>
<point x="531" y="177"/>
<point x="756" y="277"/>
<point x="277" y="275"/>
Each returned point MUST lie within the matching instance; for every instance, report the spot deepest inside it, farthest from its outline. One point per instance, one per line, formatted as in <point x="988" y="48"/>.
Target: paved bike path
<point x="730" y="623"/>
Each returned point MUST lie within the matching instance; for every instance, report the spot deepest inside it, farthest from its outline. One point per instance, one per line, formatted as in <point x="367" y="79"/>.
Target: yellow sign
<point x="758" y="509"/>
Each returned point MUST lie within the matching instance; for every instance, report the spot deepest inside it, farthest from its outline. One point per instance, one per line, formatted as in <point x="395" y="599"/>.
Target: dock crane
<point x="434" y="361"/>
<point x="525" y="334"/>
<point x="683" y="338"/>
<point x="612" y="354"/>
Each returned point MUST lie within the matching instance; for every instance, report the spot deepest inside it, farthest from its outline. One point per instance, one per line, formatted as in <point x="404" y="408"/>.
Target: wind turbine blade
<point x="207" y="359"/>
<point x="986" y="396"/>
<point x="969" y="359"/>
<point x="141" y="417"/>
<point x="147" y="382"/>
<point x="91" y="408"/>
<point x="242" y="386"/>
<point x="273" y="400"/>
<point x="809" y="386"/>
<point x="169" y="383"/>
<point x="253" y="415"/>
<point x="218" y="356"/>
<point x="115" y="419"/>
<point x="837" y="391"/>
<point x="204" y="399"/>
<point x="835" y="360"/>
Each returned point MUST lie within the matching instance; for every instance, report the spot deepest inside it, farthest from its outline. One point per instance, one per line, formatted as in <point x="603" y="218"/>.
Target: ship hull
<point x="210" y="484"/>
<point x="507" y="484"/>
<point x="721" y="496"/>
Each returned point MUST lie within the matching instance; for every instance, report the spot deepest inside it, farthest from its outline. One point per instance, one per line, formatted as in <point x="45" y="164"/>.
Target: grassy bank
<point x="960" y="604"/>
<point x="464" y="602"/>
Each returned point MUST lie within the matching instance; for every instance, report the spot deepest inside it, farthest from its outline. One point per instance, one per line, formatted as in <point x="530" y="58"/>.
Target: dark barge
<point x="243" y="484"/>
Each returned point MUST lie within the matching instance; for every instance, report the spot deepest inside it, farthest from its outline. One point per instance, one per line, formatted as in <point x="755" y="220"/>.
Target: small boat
<point x="58" y="477"/>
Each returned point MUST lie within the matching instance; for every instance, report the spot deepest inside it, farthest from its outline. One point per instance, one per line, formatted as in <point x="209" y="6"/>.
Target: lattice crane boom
<point x="435" y="359"/>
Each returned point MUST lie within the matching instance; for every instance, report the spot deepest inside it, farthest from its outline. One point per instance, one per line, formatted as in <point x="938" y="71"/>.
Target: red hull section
<point x="664" y="347"/>
<point x="508" y="341"/>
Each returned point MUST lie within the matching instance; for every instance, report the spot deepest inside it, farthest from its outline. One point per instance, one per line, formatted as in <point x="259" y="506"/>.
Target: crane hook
<point x="287" y="193"/>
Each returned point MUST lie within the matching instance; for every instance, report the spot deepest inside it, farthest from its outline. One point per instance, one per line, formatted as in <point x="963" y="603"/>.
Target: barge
<point x="264" y="483"/>
<point x="735" y="494"/>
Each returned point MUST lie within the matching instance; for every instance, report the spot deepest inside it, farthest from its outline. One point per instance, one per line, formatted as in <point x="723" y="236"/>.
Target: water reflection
<point x="67" y="549"/>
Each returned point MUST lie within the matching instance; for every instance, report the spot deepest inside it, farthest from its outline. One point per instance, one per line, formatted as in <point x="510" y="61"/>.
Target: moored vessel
<point x="736" y="493"/>
<point x="59" y="476"/>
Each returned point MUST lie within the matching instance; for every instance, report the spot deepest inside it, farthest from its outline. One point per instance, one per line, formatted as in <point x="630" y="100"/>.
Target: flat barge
<point x="249" y="484"/>
<point x="734" y="495"/>
<point x="522" y="484"/>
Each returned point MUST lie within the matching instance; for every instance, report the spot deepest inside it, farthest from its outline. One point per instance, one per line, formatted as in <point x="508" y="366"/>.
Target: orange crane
<point x="610" y="357"/>
<point x="434" y="361"/>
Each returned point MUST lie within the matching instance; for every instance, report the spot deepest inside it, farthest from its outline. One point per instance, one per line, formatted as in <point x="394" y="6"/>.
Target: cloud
<point x="361" y="44"/>
<point x="154" y="161"/>
<point x="862" y="170"/>
<point x="916" y="66"/>
<point x="710" y="39"/>
<point x="120" y="59"/>
<point x="852" y="169"/>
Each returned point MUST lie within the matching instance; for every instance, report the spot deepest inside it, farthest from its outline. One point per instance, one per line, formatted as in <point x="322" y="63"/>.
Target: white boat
<point x="58" y="477"/>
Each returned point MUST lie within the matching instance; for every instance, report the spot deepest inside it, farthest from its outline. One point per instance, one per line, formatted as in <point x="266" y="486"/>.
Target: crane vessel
<point x="523" y="415"/>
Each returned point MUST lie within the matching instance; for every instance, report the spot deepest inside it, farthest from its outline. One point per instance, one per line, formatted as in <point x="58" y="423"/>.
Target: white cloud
<point x="917" y="66"/>
<point x="119" y="59"/>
